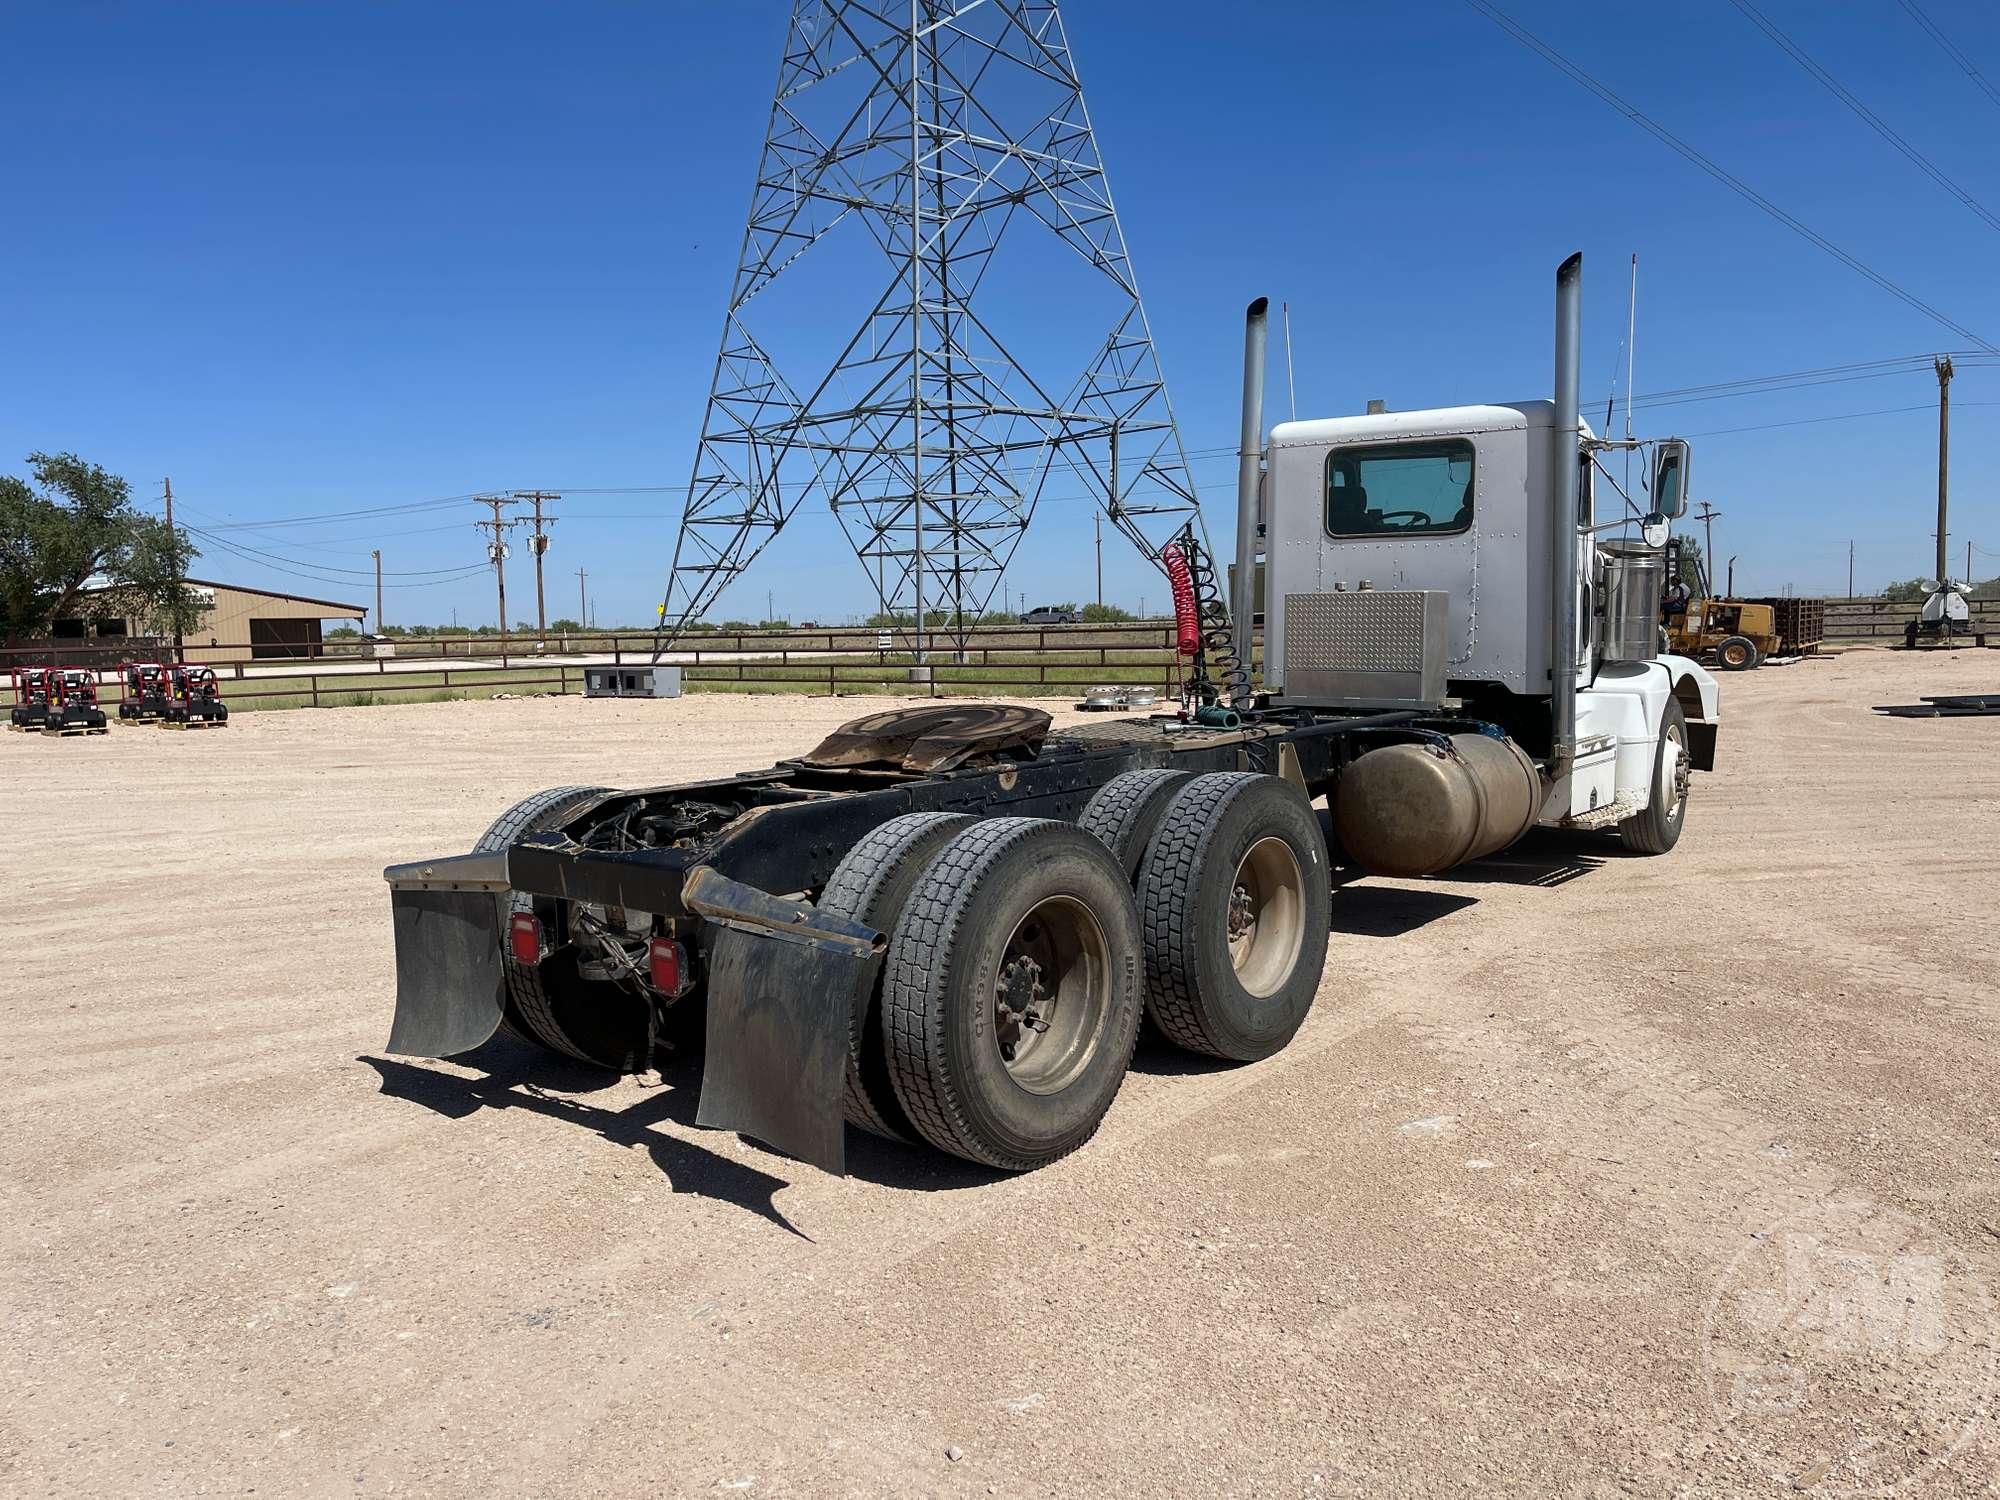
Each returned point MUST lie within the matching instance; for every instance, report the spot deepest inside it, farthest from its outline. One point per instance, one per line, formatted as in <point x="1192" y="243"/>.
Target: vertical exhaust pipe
<point x="1243" y="591"/>
<point x="1563" y="642"/>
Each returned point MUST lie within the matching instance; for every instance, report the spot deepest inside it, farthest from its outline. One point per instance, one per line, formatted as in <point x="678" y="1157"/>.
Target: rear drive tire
<point x="871" y="885"/>
<point x="1236" y="901"/>
<point x="1011" y="996"/>
<point x="1126" y="812"/>
<point x="1736" y="653"/>
<point x="1658" y="828"/>
<point x="549" y="1004"/>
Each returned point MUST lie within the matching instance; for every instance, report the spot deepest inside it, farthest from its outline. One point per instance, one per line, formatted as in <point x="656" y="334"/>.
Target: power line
<point x="305" y="562"/>
<point x="1848" y="416"/>
<point x="1874" y="121"/>
<point x="1751" y="384"/>
<point x="317" y="577"/>
<point x="1964" y="62"/>
<point x="316" y="518"/>
<point x="1734" y="183"/>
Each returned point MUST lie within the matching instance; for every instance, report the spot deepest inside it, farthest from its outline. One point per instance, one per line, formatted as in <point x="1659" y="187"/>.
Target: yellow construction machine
<point x="1737" y="634"/>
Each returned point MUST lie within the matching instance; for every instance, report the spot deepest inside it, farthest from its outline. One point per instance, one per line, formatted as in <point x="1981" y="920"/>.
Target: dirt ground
<point x="1588" y="1174"/>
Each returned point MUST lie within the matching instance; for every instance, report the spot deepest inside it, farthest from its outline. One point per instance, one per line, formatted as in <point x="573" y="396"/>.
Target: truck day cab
<point x="942" y="924"/>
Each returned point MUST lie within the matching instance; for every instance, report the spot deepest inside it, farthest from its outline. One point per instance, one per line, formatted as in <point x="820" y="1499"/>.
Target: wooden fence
<point x="1859" y="621"/>
<point x="941" y="645"/>
<point x="1010" y="661"/>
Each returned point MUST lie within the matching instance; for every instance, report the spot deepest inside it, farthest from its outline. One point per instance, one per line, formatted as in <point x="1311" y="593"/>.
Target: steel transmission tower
<point x="926" y="159"/>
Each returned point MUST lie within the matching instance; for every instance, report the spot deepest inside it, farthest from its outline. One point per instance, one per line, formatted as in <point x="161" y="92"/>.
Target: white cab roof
<point x="1438" y="421"/>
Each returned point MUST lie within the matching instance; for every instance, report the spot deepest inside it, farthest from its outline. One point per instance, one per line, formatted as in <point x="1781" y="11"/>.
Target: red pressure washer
<point x="31" y="698"/>
<point x="194" y="700"/>
<point x="73" y="705"/>
<point x="143" y="691"/>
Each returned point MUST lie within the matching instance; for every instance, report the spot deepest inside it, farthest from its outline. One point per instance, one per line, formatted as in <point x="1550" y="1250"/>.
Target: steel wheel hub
<point x="1266" y="916"/>
<point x="1051" y="994"/>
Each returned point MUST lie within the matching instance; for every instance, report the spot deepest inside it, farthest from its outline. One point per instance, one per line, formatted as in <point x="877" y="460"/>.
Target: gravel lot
<point x="1588" y="1174"/>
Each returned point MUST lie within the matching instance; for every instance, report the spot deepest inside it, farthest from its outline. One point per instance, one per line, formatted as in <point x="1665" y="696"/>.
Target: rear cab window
<point x="1421" y="488"/>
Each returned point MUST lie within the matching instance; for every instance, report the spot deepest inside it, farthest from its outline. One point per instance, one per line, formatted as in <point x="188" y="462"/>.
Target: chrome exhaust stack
<point x="1563" y="643"/>
<point x="1249" y="460"/>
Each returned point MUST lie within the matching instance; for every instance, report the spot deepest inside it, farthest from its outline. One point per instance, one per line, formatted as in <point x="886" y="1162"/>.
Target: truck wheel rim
<point x="1266" y="918"/>
<point x="1674" y="773"/>
<point x="1052" y="994"/>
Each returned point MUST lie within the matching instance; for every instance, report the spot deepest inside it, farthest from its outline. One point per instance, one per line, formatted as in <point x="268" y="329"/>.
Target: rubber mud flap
<point x="783" y="981"/>
<point x="448" y="981"/>
<point x="775" y="1067"/>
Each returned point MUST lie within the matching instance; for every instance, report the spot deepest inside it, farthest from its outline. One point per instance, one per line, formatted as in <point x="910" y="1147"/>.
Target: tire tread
<point x="857" y="883"/>
<point x="530" y="1013"/>
<point x="925" y="943"/>
<point x="1121" y="809"/>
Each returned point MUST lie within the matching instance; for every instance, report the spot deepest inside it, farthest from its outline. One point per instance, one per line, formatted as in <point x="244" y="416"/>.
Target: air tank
<point x="1418" y="808"/>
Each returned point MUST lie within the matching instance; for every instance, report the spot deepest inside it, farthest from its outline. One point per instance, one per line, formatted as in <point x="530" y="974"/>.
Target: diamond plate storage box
<point x="1371" y="648"/>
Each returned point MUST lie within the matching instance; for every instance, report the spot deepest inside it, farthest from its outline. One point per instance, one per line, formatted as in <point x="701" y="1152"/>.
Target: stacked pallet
<point x="1801" y="623"/>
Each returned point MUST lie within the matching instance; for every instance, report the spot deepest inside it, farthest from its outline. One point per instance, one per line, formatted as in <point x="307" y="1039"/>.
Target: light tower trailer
<point x="943" y="923"/>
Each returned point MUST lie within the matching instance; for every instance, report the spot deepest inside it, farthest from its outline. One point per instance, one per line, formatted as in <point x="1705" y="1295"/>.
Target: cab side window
<point x="1400" y="489"/>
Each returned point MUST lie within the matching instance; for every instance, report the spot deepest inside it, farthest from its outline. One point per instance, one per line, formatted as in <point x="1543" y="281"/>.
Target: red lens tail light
<point x="668" y="962"/>
<point x="524" y="933"/>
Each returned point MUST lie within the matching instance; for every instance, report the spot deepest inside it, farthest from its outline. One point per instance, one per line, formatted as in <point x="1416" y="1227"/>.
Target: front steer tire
<point x="549" y="1004"/>
<point x="1007" y="904"/>
<point x="1245" y="850"/>
<point x="872" y="885"/>
<point x="1658" y="828"/>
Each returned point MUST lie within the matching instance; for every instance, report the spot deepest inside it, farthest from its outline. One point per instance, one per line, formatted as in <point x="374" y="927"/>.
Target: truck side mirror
<point x="1670" y="477"/>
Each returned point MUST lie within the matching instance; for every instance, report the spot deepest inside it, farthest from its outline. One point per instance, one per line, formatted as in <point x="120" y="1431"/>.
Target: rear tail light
<point x="524" y="933"/>
<point x="668" y="963"/>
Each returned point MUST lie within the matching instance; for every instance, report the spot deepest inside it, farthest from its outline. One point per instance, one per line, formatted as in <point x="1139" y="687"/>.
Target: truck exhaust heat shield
<point x="448" y="976"/>
<point x="783" y="983"/>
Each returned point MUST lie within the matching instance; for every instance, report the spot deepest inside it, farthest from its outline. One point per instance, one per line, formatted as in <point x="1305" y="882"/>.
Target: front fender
<point x="1700" y="698"/>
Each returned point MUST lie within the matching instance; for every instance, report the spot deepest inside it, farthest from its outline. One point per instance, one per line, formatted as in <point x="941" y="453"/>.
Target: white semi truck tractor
<point x="942" y="924"/>
<point x="1456" y="554"/>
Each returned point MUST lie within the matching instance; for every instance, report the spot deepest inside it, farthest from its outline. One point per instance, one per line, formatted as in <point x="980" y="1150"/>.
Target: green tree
<point x="1105" y="614"/>
<point x="75" y="529"/>
<point x="1907" y="591"/>
<point x="565" y="626"/>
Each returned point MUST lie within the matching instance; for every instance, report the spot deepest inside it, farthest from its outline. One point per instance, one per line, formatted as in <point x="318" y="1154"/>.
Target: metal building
<point x="240" y="623"/>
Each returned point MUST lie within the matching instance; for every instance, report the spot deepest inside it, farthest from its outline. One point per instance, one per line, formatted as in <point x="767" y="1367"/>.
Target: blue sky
<point x="326" y="257"/>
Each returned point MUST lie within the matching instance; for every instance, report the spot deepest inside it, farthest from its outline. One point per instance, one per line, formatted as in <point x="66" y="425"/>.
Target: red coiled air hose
<point x="1187" y="613"/>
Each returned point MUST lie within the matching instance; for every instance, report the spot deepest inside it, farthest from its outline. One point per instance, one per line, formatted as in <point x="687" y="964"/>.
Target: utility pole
<point x="1850" y="570"/>
<point x="1097" y="524"/>
<point x="582" y="601"/>
<point x="1942" y="364"/>
<point x="378" y="591"/>
<point x="497" y="551"/>
<point x="1708" y="515"/>
<point x="174" y="538"/>
<point x="538" y="546"/>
